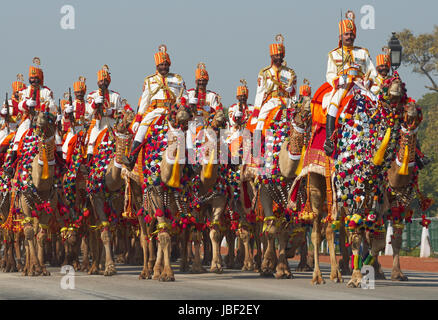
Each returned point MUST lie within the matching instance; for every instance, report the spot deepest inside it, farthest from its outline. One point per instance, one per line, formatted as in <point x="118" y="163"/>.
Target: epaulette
<point x="176" y="76"/>
<point x="360" y="48"/>
<point x="92" y="92"/>
<point x="149" y="76"/>
<point x="193" y="89"/>
<point x="264" y="70"/>
<point x="209" y="91"/>
<point x="112" y="91"/>
<point x="47" y="88"/>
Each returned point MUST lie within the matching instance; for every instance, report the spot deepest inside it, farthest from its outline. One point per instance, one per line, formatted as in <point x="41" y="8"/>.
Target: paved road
<point x="231" y="285"/>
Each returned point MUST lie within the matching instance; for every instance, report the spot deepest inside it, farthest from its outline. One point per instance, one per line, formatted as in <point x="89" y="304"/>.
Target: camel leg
<point x="110" y="268"/>
<point x="41" y="239"/>
<point x="303" y="265"/>
<point x="197" y="264"/>
<point x="356" y="277"/>
<point x="343" y="262"/>
<point x="244" y="235"/>
<point x="396" y="242"/>
<point x="85" y="266"/>
<point x="32" y="263"/>
<point x="145" y="274"/>
<point x="240" y="253"/>
<point x="377" y="243"/>
<point x="95" y="252"/>
<point x="17" y="248"/>
<point x="317" y="195"/>
<point x="216" y="238"/>
<point x="259" y="238"/>
<point x="184" y="264"/>
<point x="283" y="269"/>
<point x="270" y="257"/>
<point x="165" y="243"/>
<point x="159" y="263"/>
<point x="335" y="274"/>
<point x="229" y="259"/>
<point x="206" y="244"/>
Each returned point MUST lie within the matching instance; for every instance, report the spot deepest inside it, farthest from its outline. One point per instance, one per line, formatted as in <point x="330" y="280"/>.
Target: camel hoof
<point x="248" y="266"/>
<point x="317" y="279"/>
<point x="336" y="277"/>
<point x="354" y="283"/>
<point x="398" y="277"/>
<point x="93" y="271"/>
<point x="184" y="268"/>
<point x="20" y="267"/>
<point x="167" y="275"/>
<point x="356" y="280"/>
<point x="110" y="271"/>
<point x="145" y="274"/>
<point x="216" y="268"/>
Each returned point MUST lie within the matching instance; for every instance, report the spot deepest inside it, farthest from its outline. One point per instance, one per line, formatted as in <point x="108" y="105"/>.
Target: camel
<point x="212" y="200"/>
<point x="399" y="180"/>
<point x="160" y="203"/>
<point x="38" y="201"/>
<point x="385" y="155"/>
<point x="108" y="208"/>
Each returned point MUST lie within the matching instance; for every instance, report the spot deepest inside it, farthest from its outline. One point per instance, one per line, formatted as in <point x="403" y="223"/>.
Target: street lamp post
<point x="395" y="51"/>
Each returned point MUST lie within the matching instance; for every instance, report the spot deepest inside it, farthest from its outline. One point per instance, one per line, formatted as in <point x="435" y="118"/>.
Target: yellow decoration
<point x="378" y="157"/>
<point x="208" y="172"/>
<point x="175" y="179"/>
<point x="404" y="169"/>
<point x="300" y="164"/>
<point x="45" y="174"/>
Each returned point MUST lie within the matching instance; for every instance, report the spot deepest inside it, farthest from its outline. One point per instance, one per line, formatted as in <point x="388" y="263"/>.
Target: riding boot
<point x="11" y="169"/>
<point x="133" y="155"/>
<point x="329" y="146"/>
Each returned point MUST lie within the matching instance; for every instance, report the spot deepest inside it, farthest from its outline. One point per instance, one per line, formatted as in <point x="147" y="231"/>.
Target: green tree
<point x="421" y="52"/>
<point x="428" y="179"/>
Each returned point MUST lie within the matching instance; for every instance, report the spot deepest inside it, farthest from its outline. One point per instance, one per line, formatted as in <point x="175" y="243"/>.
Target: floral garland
<point x="99" y="165"/>
<point x="359" y="181"/>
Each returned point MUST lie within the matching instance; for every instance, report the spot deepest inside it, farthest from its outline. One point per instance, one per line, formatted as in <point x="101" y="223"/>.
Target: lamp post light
<point x="395" y="51"/>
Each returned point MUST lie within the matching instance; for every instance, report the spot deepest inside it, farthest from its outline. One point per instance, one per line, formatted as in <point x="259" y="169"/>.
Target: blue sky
<point x="231" y="37"/>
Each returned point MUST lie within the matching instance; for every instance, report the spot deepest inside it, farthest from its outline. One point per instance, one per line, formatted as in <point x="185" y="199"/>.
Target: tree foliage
<point x="421" y="52"/>
<point x="428" y="179"/>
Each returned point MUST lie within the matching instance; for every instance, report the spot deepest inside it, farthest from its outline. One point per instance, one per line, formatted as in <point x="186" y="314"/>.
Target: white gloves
<point x="68" y="108"/>
<point x="135" y="126"/>
<point x="238" y="114"/>
<point x="58" y="117"/>
<point x="289" y="89"/>
<point x="4" y="111"/>
<point x="207" y="108"/>
<point x="98" y="100"/>
<point x="31" y="103"/>
<point x="193" y="101"/>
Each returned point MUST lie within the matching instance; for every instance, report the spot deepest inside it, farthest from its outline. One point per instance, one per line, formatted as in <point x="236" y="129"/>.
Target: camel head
<point x="303" y="114"/>
<point x="412" y="115"/>
<point x="395" y="90"/>
<point x="179" y="116"/>
<point x="45" y="125"/>
<point x="124" y="120"/>
<point x="219" y="119"/>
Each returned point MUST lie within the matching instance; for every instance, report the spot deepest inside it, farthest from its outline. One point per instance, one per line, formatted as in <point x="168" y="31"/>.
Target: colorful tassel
<point x="378" y="157"/>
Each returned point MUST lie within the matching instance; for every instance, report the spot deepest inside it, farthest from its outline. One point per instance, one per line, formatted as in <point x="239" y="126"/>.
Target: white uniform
<point x="357" y="63"/>
<point x="273" y="89"/>
<point x="46" y="102"/>
<point x="158" y="94"/>
<point x="79" y="124"/>
<point x="112" y="105"/>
